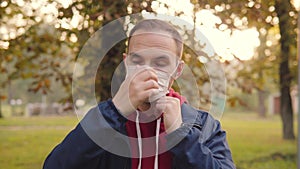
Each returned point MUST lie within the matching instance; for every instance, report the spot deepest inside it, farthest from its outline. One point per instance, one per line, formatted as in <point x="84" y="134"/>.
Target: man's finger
<point x="150" y="84"/>
<point x="146" y="74"/>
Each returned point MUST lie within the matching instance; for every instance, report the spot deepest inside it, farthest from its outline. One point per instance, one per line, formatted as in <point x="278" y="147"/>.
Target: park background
<point x="255" y="43"/>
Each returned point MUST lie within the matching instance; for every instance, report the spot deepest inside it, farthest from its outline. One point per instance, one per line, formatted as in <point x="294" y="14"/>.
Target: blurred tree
<point x="74" y="23"/>
<point x="266" y="14"/>
<point x="37" y="46"/>
<point x="111" y="10"/>
<point x="261" y="72"/>
<point x="40" y="44"/>
<point x="1" y="106"/>
<point x="197" y="55"/>
<point x="287" y="40"/>
<point x="97" y="14"/>
<point x="32" y="48"/>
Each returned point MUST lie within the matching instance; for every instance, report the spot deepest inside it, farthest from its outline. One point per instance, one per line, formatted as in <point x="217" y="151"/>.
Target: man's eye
<point x="136" y="62"/>
<point x="161" y="63"/>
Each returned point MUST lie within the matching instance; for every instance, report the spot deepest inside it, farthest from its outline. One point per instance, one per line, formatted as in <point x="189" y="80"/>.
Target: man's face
<point x="156" y="50"/>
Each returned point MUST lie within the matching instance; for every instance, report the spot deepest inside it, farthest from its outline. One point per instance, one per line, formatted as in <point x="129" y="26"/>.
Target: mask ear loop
<point x="175" y="74"/>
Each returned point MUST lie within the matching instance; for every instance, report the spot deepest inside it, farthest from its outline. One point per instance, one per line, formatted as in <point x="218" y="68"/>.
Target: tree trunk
<point x="112" y="10"/>
<point x="282" y="9"/>
<point x="260" y="82"/>
<point x="1" y="116"/>
<point x="261" y="103"/>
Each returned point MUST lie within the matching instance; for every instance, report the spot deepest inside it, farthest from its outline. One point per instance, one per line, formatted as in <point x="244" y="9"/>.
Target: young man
<point x="146" y="125"/>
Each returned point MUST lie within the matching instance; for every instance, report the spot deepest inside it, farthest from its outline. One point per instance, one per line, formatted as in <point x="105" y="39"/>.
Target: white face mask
<point x="163" y="81"/>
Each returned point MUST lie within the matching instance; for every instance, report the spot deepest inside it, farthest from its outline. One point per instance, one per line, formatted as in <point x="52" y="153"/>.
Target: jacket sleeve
<point x="80" y="148"/>
<point x="192" y="152"/>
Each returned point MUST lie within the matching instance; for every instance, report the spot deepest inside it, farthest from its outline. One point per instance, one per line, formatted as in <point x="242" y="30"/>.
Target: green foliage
<point x="45" y="51"/>
<point x="263" y="16"/>
<point x="36" y="51"/>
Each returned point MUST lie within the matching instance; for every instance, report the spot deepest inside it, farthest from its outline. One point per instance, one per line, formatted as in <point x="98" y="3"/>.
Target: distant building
<point x="274" y="101"/>
<point x="35" y="109"/>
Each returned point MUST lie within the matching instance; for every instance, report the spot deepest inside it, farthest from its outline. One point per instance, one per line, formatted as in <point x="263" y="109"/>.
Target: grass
<point x="25" y="142"/>
<point x="255" y="143"/>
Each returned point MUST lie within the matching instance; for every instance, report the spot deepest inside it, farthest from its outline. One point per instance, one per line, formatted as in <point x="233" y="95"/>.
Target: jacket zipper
<point x="126" y="163"/>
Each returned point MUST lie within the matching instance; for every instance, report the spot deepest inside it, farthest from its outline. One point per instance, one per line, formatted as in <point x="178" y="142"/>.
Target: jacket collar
<point x="191" y="115"/>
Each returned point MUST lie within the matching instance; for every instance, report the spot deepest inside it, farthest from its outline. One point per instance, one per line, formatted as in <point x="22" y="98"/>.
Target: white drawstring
<point x="138" y="129"/>
<point x="157" y="141"/>
<point x="139" y="135"/>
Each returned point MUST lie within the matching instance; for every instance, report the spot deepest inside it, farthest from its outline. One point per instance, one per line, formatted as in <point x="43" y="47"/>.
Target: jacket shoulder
<point x="201" y="120"/>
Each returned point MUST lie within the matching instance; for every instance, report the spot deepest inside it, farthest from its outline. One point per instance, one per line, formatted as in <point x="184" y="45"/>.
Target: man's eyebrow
<point x="134" y="54"/>
<point x="163" y="56"/>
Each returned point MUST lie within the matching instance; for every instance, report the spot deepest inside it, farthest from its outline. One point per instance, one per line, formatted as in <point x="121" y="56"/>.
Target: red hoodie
<point x="149" y="130"/>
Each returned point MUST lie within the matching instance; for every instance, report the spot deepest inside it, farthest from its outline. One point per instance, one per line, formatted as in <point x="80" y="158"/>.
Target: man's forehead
<point x="155" y="52"/>
<point x="142" y="32"/>
<point x="161" y="41"/>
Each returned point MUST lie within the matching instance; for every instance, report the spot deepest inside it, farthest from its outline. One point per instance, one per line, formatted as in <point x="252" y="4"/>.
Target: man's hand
<point x="135" y="90"/>
<point x="171" y="109"/>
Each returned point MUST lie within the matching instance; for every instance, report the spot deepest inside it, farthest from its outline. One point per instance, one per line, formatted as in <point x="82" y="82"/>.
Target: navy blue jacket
<point x="198" y="144"/>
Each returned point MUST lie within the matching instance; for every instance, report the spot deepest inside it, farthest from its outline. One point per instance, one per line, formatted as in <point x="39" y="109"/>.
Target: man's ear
<point x="124" y="59"/>
<point x="179" y="69"/>
<point x="124" y="56"/>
